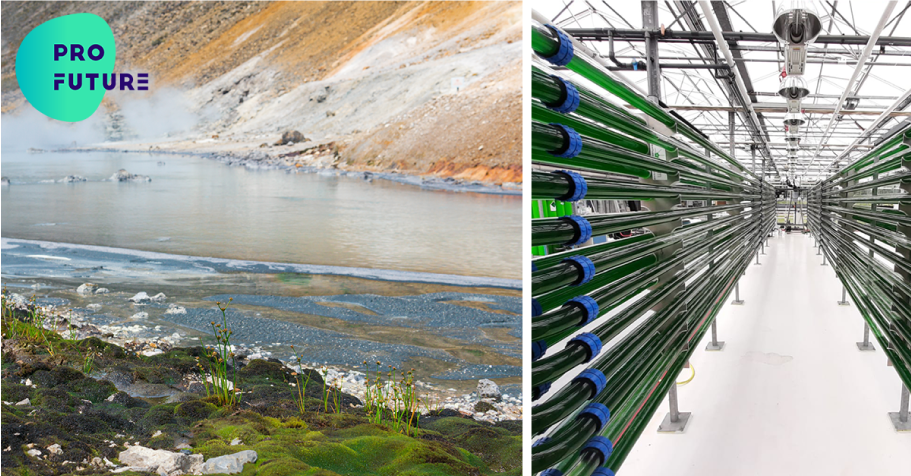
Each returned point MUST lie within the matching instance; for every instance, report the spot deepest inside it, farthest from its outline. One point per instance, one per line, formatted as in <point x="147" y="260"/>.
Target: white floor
<point x="790" y="394"/>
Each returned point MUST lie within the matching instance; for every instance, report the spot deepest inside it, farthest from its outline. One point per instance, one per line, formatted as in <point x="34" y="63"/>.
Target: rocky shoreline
<point x="322" y="159"/>
<point x="488" y="405"/>
<point x="75" y="401"/>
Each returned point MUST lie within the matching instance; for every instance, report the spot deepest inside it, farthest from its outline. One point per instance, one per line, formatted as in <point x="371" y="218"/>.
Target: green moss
<point x="267" y="421"/>
<point x="195" y="410"/>
<point x="91" y="389"/>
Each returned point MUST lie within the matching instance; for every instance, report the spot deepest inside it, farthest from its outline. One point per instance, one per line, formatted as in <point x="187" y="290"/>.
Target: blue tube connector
<point x="564" y="53"/>
<point x="536" y="309"/>
<point x="591" y="342"/>
<point x="589" y="305"/>
<point x="572" y="142"/>
<point x="583" y="229"/>
<point x="596" y="379"/>
<point x="597" y="411"/>
<point x="601" y="445"/>
<point x="538" y="349"/>
<point x="570" y="98"/>
<point x="587" y="268"/>
<point x="579" y="189"/>
<point x="602" y="471"/>
<point x="551" y="472"/>
<point x="542" y="389"/>
<point x="540" y="441"/>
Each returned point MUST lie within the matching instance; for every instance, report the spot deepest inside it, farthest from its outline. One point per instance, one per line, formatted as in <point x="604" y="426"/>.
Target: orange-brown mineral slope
<point x="376" y="79"/>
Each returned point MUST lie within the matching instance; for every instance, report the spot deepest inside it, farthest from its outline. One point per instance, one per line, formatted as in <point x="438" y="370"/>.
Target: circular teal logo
<point x="65" y="65"/>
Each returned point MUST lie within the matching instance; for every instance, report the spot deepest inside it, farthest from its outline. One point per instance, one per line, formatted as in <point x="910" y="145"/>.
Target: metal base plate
<point x="716" y="346"/>
<point x="737" y="302"/>
<point x="844" y="303"/>
<point x="679" y="426"/>
<point x="896" y="422"/>
<point x="865" y="346"/>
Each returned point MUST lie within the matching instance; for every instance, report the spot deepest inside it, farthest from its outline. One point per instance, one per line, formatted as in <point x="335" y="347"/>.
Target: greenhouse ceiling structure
<point x="809" y="91"/>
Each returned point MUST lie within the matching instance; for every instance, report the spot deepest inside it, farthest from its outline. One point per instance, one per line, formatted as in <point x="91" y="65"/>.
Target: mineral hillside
<point x="372" y="83"/>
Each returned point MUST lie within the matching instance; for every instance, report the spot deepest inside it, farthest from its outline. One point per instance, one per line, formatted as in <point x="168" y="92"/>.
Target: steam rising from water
<point x="30" y="128"/>
<point x="165" y="113"/>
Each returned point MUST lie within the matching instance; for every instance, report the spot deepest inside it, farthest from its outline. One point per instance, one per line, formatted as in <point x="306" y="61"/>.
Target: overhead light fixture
<point x="851" y="103"/>
<point x="797" y="24"/>
<point x="794" y="119"/>
<point x="793" y="87"/>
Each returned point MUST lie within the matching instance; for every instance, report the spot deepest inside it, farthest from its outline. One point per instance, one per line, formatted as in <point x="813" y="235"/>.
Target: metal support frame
<point x="675" y="421"/>
<point x="866" y="345"/>
<point x="844" y="297"/>
<point x="653" y="67"/>
<point x="715" y="344"/>
<point x="900" y="418"/>
<point x="737" y="301"/>
<point x="824" y="260"/>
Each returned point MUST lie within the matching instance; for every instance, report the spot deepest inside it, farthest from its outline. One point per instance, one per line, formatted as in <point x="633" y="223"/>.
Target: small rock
<point x="33" y="452"/>
<point x="488" y="389"/>
<point x="175" y="309"/>
<point x="141" y="298"/>
<point x="162" y="462"/>
<point x="229" y="464"/>
<point x="483" y="407"/>
<point x="236" y="441"/>
<point x="24" y="402"/>
<point x="151" y="352"/>
<point x="156" y="434"/>
<point x="17" y="301"/>
<point x="93" y="307"/>
<point x="55" y="449"/>
<point x="123" y="176"/>
<point x="4" y="181"/>
<point x="86" y="289"/>
<point x="73" y="179"/>
<point x="291" y="137"/>
<point x="160" y="297"/>
<point x="140" y="315"/>
<point x="102" y="291"/>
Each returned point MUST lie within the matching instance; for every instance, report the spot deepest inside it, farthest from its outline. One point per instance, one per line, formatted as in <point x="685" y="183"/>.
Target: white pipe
<point x="857" y="69"/>
<point x="872" y="127"/>
<point x="723" y="46"/>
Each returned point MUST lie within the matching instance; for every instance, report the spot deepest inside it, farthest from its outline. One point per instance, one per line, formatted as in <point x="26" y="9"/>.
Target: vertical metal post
<point x="824" y="260"/>
<point x="715" y="344"/>
<point x="675" y="421"/>
<point x="653" y="68"/>
<point x="757" y="259"/>
<point x="866" y="345"/>
<point x="844" y="297"/>
<point x="900" y="418"/>
<point x="737" y="301"/>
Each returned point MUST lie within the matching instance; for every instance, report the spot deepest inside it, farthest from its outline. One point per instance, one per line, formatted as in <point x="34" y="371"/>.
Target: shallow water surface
<point x="199" y="207"/>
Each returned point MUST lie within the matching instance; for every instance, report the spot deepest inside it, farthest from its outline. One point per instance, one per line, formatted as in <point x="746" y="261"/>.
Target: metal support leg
<point x="818" y="250"/>
<point x="844" y="297"/>
<point x="764" y="244"/>
<point x="757" y="259"/>
<point x="824" y="260"/>
<point x="900" y="418"/>
<point x="675" y="421"/>
<point x="714" y="345"/>
<point x="737" y="301"/>
<point x="866" y="345"/>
